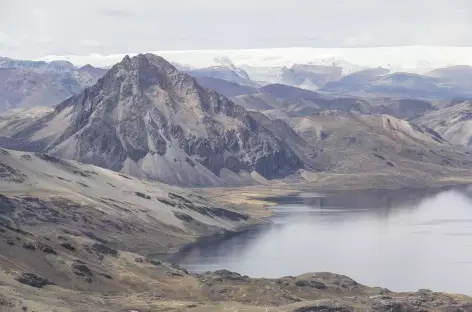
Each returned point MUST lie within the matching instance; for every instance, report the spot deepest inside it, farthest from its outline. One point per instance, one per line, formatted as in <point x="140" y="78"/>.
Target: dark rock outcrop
<point x="29" y="246"/>
<point x="33" y="280"/>
<point x="104" y="249"/>
<point x="81" y="269"/>
<point x="326" y="306"/>
<point x="68" y="246"/>
<point x="46" y="248"/>
<point x="7" y="206"/>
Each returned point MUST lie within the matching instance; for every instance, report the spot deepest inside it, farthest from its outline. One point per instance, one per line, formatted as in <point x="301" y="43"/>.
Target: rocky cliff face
<point x="147" y="119"/>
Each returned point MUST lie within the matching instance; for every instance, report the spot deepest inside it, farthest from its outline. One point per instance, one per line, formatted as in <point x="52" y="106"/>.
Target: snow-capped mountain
<point x="414" y="59"/>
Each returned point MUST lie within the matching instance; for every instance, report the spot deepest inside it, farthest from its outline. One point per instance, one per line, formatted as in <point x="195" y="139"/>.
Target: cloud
<point x="4" y="38"/>
<point x="123" y="26"/>
<point x="89" y="43"/>
<point x="9" y="43"/>
<point x="42" y="40"/>
<point x="114" y="12"/>
<point x="361" y="40"/>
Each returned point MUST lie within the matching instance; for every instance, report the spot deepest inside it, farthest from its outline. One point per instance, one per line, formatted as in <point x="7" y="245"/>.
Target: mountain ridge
<point x="143" y="111"/>
<point x="25" y="84"/>
<point x="145" y="118"/>
<point x="417" y="59"/>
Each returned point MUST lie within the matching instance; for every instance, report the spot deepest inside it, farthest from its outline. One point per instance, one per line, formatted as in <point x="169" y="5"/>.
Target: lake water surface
<point x="404" y="240"/>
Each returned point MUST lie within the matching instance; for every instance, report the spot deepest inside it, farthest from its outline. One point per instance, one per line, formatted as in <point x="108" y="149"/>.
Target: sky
<point x="33" y="29"/>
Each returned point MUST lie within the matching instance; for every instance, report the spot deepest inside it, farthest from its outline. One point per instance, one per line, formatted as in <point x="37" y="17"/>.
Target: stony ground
<point x="74" y="237"/>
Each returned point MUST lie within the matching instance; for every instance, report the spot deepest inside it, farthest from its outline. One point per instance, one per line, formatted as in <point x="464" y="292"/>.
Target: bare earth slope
<point x="350" y="146"/>
<point x="76" y="237"/>
<point x="298" y="102"/>
<point x="85" y="228"/>
<point x="453" y="122"/>
<point x="106" y="203"/>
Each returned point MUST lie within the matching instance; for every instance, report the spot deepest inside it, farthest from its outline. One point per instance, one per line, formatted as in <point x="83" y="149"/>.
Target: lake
<point x="402" y="240"/>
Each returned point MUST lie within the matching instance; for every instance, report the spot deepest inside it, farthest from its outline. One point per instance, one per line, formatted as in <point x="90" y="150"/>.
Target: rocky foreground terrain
<point x="75" y="237"/>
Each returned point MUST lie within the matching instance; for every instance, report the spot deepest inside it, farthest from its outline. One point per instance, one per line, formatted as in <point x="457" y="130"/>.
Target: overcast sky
<point x="33" y="28"/>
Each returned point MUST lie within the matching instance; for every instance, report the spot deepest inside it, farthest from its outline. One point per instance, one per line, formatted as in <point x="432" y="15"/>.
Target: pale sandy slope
<point x="453" y="122"/>
<point x="378" y="151"/>
<point x="124" y="200"/>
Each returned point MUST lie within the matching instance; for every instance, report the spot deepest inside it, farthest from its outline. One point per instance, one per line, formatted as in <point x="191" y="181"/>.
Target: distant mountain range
<point x="366" y="83"/>
<point x="413" y="59"/>
<point x="147" y="119"/>
<point x="26" y="84"/>
<point x="443" y="83"/>
<point x="280" y="92"/>
<point x="325" y="69"/>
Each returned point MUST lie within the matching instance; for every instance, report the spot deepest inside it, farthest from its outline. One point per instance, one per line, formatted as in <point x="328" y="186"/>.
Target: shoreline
<point x="263" y="197"/>
<point x="213" y="239"/>
<point x="224" y="235"/>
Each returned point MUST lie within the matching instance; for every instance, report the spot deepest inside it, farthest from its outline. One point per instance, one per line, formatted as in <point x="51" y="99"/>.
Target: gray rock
<point x="7" y="206"/>
<point x="68" y="246"/>
<point x="33" y="280"/>
<point x="46" y="248"/>
<point x="326" y="306"/>
<point x="104" y="249"/>
<point x="314" y="284"/>
<point x="82" y="268"/>
<point x="29" y="246"/>
<point x="154" y="262"/>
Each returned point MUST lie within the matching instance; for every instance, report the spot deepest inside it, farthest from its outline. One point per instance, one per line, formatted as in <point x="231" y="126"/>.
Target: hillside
<point x="76" y="237"/>
<point x="353" y="145"/>
<point x="453" y="122"/>
<point x="25" y="84"/>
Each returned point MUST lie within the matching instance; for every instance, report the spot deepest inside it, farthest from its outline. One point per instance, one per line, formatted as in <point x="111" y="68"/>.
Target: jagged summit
<point x="146" y="118"/>
<point x="134" y="75"/>
<point x="59" y="66"/>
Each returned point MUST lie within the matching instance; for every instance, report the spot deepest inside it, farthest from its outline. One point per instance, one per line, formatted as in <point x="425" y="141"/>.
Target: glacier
<point x="415" y="59"/>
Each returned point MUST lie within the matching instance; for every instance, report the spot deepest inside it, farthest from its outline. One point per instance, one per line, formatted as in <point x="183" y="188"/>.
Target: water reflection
<point x="402" y="240"/>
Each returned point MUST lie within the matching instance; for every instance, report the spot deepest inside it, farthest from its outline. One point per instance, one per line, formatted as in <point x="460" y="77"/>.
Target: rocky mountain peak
<point x="59" y="66"/>
<point x="148" y="70"/>
<point x="137" y="81"/>
<point x="146" y="62"/>
<point x="147" y="119"/>
<point x="92" y="70"/>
